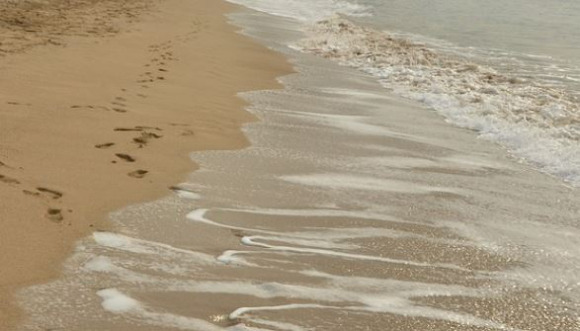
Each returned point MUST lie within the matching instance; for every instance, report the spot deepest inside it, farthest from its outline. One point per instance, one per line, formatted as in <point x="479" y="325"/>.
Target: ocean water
<point x="358" y="206"/>
<point x="510" y="71"/>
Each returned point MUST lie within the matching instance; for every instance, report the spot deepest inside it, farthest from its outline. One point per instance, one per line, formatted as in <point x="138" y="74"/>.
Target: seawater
<point x="510" y="71"/>
<point x="353" y="208"/>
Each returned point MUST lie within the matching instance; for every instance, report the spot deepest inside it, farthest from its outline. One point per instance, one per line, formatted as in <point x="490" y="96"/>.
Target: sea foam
<point x="535" y="121"/>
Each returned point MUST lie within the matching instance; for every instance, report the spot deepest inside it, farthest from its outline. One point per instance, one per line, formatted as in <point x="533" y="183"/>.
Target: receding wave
<point x="536" y="121"/>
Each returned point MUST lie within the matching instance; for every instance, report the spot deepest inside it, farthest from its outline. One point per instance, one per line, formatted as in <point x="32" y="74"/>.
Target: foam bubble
<point x="117" y="302"/>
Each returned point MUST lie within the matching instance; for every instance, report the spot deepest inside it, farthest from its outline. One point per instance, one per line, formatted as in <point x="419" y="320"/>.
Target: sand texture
<point x="100" y="104"/>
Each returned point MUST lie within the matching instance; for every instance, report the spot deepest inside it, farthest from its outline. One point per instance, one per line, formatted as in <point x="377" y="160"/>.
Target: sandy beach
<point x="165" y="167"/>
<point x="100" y="104"/>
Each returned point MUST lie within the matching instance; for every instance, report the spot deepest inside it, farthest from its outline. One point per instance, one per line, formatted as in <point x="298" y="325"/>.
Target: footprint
<point x="27" y="192"/>
<point x="138" y="173"/>
<point x="138" y="128"/>
<point x="8" y="180"/>
<point x="128" y="129"/>
<point x="238" y="233"/>
<point x="51" y="193"/>
<point x="119" y="110"/>
<point x="54" y="215"/>
<point x="105" y="145"/>
<point x="125" y="157"/>
<point x="187" y="133"/>
<point x="145" y="137"/>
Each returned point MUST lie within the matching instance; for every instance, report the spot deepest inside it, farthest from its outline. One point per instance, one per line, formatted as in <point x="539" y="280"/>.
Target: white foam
<point x="238" y="313"/>
<point x="117" y="302"/>
<point x="139" y="246"/>
<point x="450" y="162"/>
<point x="354" y="182"/>
<point x="99" y="264"/>
<point x="188" y="195"/>
<point x="321" y="212"/>
<point x="250" y="241"/>
<point x="233" y="257"/>
<point x="198" y="215"/>
<point x="359" y="125"/>
<point x="325" y="238"/>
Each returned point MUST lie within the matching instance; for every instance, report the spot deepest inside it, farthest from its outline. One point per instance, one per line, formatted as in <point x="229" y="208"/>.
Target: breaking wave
<point x="537" y="122"/>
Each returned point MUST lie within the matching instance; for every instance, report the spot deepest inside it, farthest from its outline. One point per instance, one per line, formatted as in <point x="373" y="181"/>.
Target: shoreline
<point x="109" y="121"/>
<point x="350" y="208"/>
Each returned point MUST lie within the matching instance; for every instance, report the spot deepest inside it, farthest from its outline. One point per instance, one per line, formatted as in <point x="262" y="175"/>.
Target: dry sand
<point x="100" y="104"/>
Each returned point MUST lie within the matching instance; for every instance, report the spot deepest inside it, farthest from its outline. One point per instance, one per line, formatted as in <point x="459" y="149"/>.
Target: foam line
<point x="198" y="215"/>
<point x="140" y="246"/>
<point x="319" y="213"/>
<point x="328" y="234"/>
<point x="249" y="241"/>
<point x="388" y="296"/>
<point x="238" y="313"/>
<point x="231" y="257"/>
<point x="404" y="310"/>
<point x="352" y="182"/>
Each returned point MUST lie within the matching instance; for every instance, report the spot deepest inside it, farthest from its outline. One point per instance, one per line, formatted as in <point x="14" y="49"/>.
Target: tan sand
<point x="100" y="105"/>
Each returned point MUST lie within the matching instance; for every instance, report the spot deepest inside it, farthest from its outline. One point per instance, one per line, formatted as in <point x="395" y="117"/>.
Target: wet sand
<point x="101" y="103"/>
